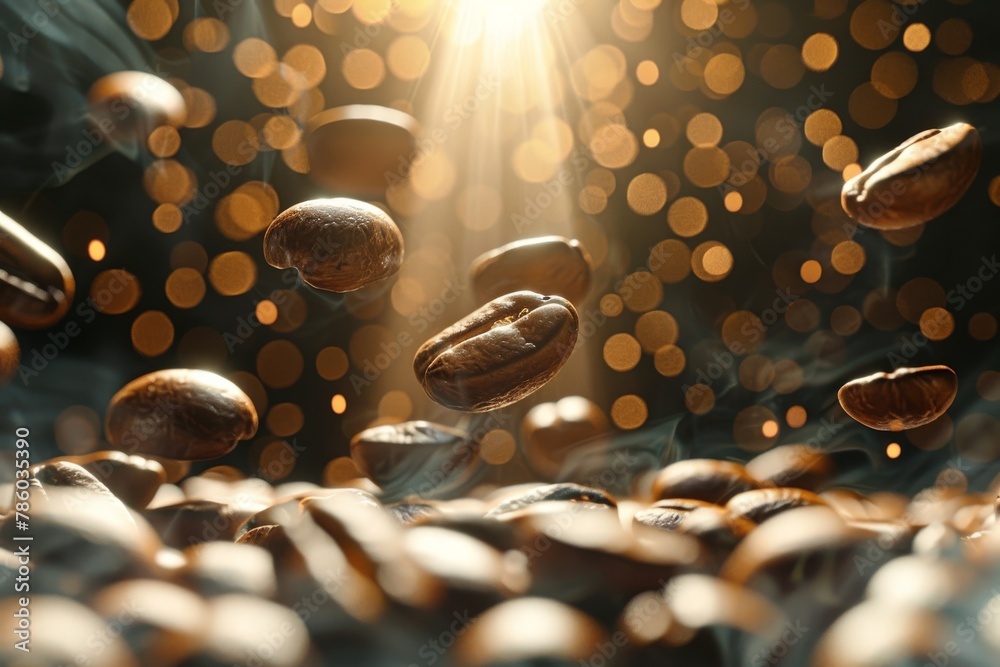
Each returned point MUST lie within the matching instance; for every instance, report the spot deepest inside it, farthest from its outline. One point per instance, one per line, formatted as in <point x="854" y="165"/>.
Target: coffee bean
<point x="901" y="400"/>
<point x="149" y="100"/>
<point x="162" y="622"/>
<point x="10" y="354"/>
<point x="531" y="631"/>
<point x="196" y="521"/>
<point x="340" y="245"/>
<point x="60" y="631"/>
<point x="77" y="485"/>
<point x="799" y="466"/>
<point x="548" y="265"/>
<point x="711" y="524"/>
<point x="551" y="432"/>
<point x="36" y="285"/>
<point x="181" y="414"/>
<point x="361" y="148"/>
<point x="551" y="492"/>
<point x="415" y="457"/>
<point x="916" y="636"/>
<point x="222" y="568"/>
<point x="759" y="505"/>
<point x="499" y="354"/>
<point x="917" y="181"/>
<point x="133" y="479"/>
<point x="703" y="479"/>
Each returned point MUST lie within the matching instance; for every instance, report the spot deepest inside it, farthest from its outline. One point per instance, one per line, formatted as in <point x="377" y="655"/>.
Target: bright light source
<point x="96" y="250"/>
<point x="495" y="21"/>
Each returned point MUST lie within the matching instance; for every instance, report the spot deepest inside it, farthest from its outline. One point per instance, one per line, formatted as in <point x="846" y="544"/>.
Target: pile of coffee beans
<point x="703" y="562"/>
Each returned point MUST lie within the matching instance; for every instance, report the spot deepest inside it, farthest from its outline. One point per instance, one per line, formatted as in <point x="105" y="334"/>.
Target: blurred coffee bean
<point x="564" y="491"/>
<point x="901" y="400"/>
<point x="10" y="354"/>
<point x="551" y="432"/>
<point x="182" y="414"/>
<point x="701" y="601"/>
<point x="79" y="545"/>
<point x="798" y="466"/>
<point x="411" y="513"/>
<point x="36" y="285"/>
<point x="530" y="631"/>
<point x="917" y="181"/>
<point x="77" y="484"/>
<point x="372" y="543"/>
<point x="472" y="573"/>
<point x="146" y="100"/>
<point x="162" y="622"/>
<point x="361" y="149"/>
<point x="806" y="544"/>
<point x="877" y="632"/>
<point x="196" y="521"/>
<point x="340" y="245"/>
<point x="282" y="513"/>
<point x="59" y="632"/>
<point x="852" y="505"/>
<point x="133" y="479"/>
<point x="712" y="525"/>
<point x="547" y="265"/>
<point x="759" y="505"/>
<point x="499" y="354"/>
<point x="703" y="479"/>
<point x="221" y="568"/>
<point x="174" y="469"/>
<point x="250" y="631"/>
<point x="921" y="581"/>
<point x="415" y="457"/>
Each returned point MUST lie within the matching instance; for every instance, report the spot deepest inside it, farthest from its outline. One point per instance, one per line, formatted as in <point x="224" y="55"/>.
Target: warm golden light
<point x="339" y="404"/>
<point x="96" y="250"/>
<point x="495" y="20"/>
<point x="893" y="450"/>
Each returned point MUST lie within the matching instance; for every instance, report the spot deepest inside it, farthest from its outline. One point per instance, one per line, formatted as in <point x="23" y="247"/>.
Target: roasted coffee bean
<point x="58" y="631"/>
<point x="711" y="524"/>
<point x="415" y="457"/>
<point x="352" y="148"/>
<point x="759" y="505"/>
<point x="10" y="353"/>
<point x="703" y="479"/>
<point x="162" y="622"/>
<point x="500" y="353"/>
<point x="878" y="632"/>
<point x="548" y="265"/>
<point x="799" y="466"/>
<point x="240" y="627"/>
<point x="221" y="568"/>
<point x="551" y="432"/>
<point x="901" y="400"/>
<point x="196" y="521"/>
<point x="133" y="479"/>
<point x="78" y="485"/>
<point x="340" y="245"/>
<point x="181" y="414"/>
<point x="531" y="631"/>
<point x="550" y="492"/>
<point x="700" y="601"/>
<point x="917" y="181"/>
<point x="148" y="100"/>
<point x="36" y="285"/>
